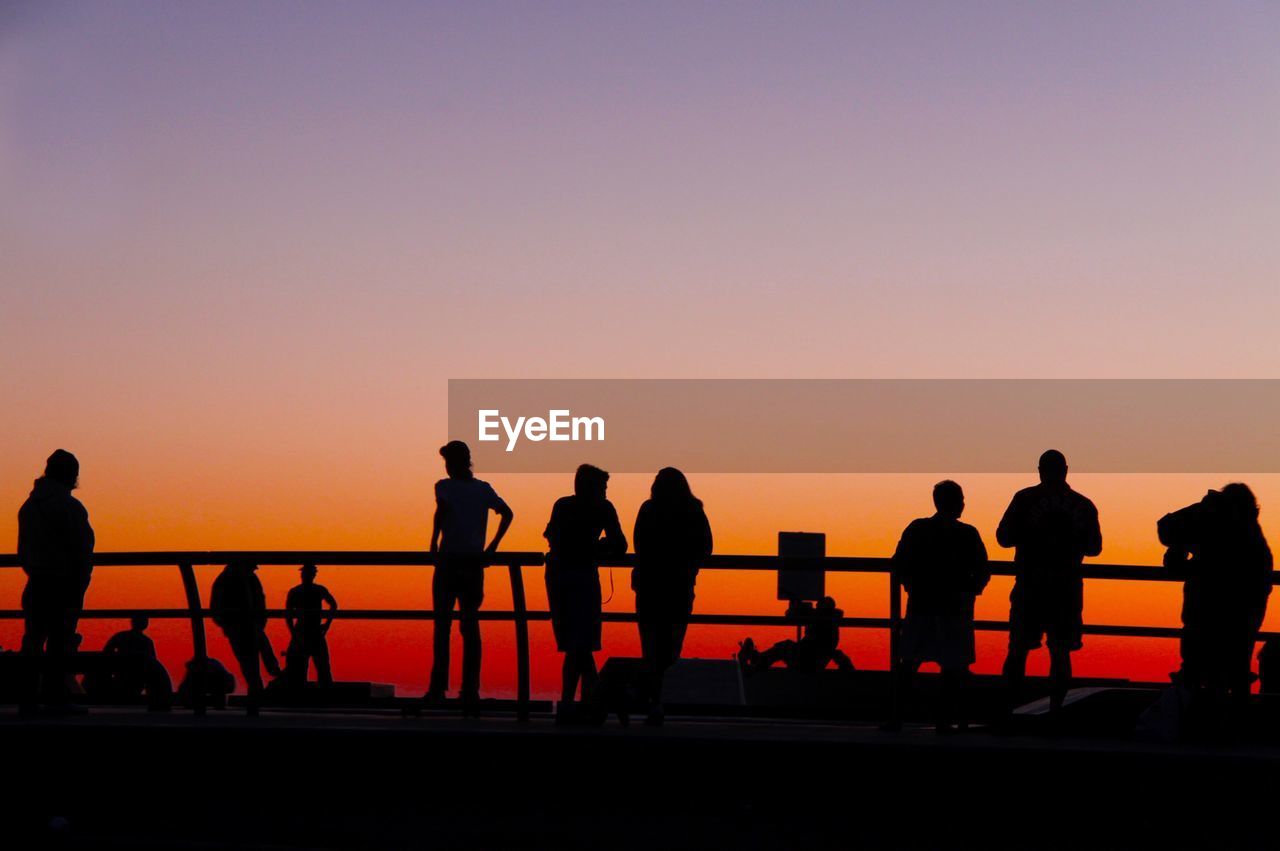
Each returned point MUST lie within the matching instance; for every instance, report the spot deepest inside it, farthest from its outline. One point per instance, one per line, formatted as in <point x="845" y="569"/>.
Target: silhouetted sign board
<point x="795" y="582"/>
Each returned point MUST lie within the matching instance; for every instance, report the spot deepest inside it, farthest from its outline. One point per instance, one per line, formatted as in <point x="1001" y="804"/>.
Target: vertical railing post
<point x="895" y="619"/>
<point x="521" y="620"/>
<point x="199" y="649"/>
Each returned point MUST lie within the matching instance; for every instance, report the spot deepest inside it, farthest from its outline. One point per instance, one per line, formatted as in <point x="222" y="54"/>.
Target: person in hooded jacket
<point x="55" y="549"/>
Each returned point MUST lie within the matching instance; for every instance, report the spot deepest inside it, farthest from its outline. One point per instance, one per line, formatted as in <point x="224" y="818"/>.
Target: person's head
<point x="948" y="498"/>
<point x="63" y="467"/>
<point x="1053" y="467"/>
<point x="827" y="604"/>
<point x="457" y="459"/>
<point x="140" y="623"/>
<point x="242" y="566"/>
<point x="671" y="487"/>
<point x="1240" y="502"/>
<point x="308" y="572"/>
<point x="590" y="482"/>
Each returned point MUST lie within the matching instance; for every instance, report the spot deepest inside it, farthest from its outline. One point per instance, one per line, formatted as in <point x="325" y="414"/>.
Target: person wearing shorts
<point x="1052" y="529"/>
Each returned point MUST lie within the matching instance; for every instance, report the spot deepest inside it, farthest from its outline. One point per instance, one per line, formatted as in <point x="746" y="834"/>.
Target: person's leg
<point x="590" y="674"/>
<point x="903" y="679"/>
<point x="1014" y="672"/>
<point x="568" y="681"/>
<point x="469" y="625"/>
<point x="443" y="598"/>
<point x="35" y="633"/>
<point x="648" y="656"/>
<point x="783" y="651"/>
<point x="320" y="653"/>
<point x="1059" y="673"/>
<point x="269" y="660"/>
<point x="295" y="663"/>
<point x="245" y="647"/>
<point x="951" y="708"/>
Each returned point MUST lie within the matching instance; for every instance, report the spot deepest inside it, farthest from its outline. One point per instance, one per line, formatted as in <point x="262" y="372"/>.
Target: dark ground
<point x="129" y="779"/>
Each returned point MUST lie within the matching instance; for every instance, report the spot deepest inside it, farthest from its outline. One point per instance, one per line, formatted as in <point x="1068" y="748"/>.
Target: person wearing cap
<point x="304" y="612"/>
<point x="458" y="533"/>
<point x="55" y="549"/>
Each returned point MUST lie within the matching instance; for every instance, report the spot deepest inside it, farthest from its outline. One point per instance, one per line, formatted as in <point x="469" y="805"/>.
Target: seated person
<point x="139" y="670"/>
<point x="216" y="681"/>
<point x="818" y="645"/>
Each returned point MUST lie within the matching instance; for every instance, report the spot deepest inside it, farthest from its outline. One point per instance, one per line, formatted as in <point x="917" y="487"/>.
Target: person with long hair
<point x="1217" y="547"/>
<point x="55" y="549"/>
<point x="573" y="579"/>
<point x="672" y="537"/>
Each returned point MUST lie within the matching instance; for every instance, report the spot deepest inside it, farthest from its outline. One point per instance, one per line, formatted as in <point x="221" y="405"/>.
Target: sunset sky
<point x="244" y="246"/>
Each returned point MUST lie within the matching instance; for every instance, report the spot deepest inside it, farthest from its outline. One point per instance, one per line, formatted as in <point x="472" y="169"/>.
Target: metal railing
<point x="520" y="615"/>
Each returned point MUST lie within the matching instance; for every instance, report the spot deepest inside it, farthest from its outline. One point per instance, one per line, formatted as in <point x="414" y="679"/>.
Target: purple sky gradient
<point x="235" y="231"/>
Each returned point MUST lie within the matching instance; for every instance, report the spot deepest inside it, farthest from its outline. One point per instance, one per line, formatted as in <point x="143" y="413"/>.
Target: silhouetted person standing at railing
<point x="672" y="538"/>
<point x="308" y="622"/>
<point x="1053" y="529"/>
<point x="942" y="564"/>
<point x="55" y="549"/>
<point x="573" y="579"/>
<point x="1218" y="547"/>
<point x="463" y="503"/>
<point x="238" y="606"/>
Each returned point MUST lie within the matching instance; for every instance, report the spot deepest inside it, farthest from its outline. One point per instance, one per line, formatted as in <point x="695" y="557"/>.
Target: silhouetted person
<point x="304" y="612"/>
<point x="55" y="549"/>
<point x="238" y="606"/>
<point x="942" y="564"/>
<point x="1053" y="529"/>
<point x="463" y="503"/>
<point x="819" y="643"/>
<point x="573" y="580"/>
<point x="1218" y="547"/>
<point x="672" y="537"/>
<point x="139" y="670"/>
<point x="216" y="682"/>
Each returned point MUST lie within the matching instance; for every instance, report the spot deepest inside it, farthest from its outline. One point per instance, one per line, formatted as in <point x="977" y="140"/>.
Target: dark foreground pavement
<point x="128" y="779"/>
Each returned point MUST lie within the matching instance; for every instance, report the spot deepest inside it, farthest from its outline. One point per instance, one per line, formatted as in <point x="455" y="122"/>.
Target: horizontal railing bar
<point x="410" y="558"/>
<point x="621" y="617"/>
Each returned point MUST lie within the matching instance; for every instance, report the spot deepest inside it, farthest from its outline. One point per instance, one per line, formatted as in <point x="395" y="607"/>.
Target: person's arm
<point x="1009" y="532"/>
<point x="1090" y="532"/>
<point x="505" y="516"/>
<point x="614" y="543"/>
<point x="437" y="520"/>
<point x="640" y="533"/>
<point x="291" y="612"/>
<point x="982" y="566"/>
<point x="904" y="558"/>
<point x="333" y="607"/>
<point x="705" y="541"/>
<point x="552" y="532"/>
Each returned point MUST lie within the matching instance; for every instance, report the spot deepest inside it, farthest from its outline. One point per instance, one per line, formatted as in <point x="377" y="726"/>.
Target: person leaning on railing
<point x="672" y="537"/>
